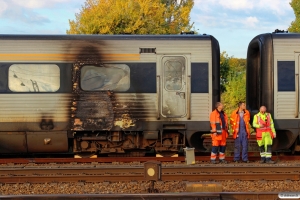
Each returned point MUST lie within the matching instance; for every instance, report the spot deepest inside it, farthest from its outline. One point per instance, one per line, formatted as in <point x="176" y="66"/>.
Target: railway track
<point x="129" y="159"/>
<point x="177" y="196"/>
<point x="136" y="173"/>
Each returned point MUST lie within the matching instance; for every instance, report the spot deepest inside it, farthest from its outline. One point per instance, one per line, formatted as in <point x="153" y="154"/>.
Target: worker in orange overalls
<point x="265" y="132"/>
<point x="239" y="121"/>
<point x="219" y="133"/>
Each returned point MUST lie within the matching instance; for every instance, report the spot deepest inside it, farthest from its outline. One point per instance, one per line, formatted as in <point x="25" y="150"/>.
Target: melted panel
<point x="93" y="111"/>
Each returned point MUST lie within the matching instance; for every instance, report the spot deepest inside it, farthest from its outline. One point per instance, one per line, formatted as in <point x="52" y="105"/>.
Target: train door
<point x="173" y="86"/>
<point x="294" y="79"/>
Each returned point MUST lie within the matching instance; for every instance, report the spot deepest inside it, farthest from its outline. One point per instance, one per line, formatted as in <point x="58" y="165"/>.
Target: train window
<point x="286" y="75"/>
<point x="34" y="78"/>
<point x="114" y="77"/>
<point x="173" y="73"/>
<point x="199" y="78"/>
<point x="142" y="77"/>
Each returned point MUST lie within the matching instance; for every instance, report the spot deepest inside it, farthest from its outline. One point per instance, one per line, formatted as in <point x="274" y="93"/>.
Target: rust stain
<point x="78" y="122"/>
<point x="125" y="121"/>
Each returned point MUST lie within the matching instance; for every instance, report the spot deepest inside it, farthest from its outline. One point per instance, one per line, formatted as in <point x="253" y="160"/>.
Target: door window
<point x="173" y="72"/>
<point x="174" y="87"/>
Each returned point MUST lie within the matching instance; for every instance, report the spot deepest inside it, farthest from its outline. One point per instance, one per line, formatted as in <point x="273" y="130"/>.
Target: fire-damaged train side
<point x="112" y="95"/>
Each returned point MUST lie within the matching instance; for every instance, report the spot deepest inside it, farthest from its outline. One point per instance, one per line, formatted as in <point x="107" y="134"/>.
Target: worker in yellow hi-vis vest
<point x="265" y="132"/>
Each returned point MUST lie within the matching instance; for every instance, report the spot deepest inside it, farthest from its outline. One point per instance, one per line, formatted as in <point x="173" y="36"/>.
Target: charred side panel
<point x="121" y="110"/>
<point x="90" y="110"/>
<point x="137" y="103"/>
<point x="93" y="111"/>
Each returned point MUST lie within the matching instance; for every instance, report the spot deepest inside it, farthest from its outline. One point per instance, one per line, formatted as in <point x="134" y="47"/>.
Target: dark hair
<point x="217" y="104"/>
<point x="240" y="103"/>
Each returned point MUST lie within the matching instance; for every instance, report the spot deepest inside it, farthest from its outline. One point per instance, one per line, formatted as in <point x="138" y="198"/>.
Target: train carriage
<point x="273" y="81"/>
<point x="113" y="94"/>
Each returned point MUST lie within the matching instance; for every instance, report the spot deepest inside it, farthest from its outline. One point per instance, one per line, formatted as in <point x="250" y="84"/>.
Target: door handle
<point x="181" y="94"/>
<point x="158" y="96"/>
<point x="188" y="89"/>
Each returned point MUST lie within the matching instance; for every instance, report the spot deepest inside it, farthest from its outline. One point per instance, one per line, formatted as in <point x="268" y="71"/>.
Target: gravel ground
<point x="199" y="163"/>
<point x="141" y="187"/>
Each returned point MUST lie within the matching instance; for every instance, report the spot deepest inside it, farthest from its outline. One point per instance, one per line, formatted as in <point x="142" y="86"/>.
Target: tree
<point x="235" y="92"/>
<point x="230" y="68"/>
<point x="295" y="25"/>
<point x="233" y="81"/>
<point x="132" y="17"/>
<point x="178" y="15"/>
<point x="224" y="70"/>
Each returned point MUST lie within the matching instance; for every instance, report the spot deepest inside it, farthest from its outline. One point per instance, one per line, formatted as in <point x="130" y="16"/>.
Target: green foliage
<point x="229" y="68"/>
<point x="132" y="17"/>
<point x="233" y="81"/>
<point x="224" y="71"/>
<point x="295" y="25"/>
<point x="235" y="92"/>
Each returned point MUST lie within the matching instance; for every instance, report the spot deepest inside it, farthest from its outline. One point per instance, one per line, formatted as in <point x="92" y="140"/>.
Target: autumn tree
<point x="132" y="17"/>
<point x="295" y="25"/>
<point x="233" y="81"/>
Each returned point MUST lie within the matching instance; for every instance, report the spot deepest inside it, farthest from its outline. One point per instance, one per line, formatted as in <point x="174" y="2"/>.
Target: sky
<point x="232" y="22"/>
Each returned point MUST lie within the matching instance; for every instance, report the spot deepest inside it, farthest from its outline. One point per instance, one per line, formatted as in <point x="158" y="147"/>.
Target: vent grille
<point x="147" y="50"/>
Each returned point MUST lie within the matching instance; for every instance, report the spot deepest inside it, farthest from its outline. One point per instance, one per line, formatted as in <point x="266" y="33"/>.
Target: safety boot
<point x="263" y="160"/>
<point x="223" y="161"/>
<point x="213" y="162"/>
<point x="269" y="161"/>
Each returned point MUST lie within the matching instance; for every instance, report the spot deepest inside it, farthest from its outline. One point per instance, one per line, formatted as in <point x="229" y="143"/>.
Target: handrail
<point x="158" y="96"/>
<point x="188" y="97"/>
<point x="297" y="95"/>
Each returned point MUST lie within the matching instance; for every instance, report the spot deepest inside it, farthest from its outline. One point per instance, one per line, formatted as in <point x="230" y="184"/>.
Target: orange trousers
<point x="219" y="140"/>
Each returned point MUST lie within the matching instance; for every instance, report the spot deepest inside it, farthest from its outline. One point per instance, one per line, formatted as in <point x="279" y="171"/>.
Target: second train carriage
<point x="273" y="80"/>
<point x="106" y="94"/>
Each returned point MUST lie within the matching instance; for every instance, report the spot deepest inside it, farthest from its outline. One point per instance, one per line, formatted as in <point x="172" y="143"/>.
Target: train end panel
<point x="272" y="80"/>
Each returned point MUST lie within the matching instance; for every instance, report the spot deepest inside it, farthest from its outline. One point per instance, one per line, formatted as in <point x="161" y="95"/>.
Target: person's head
<point x="242" y="105"/>
<point x="219" y="106"/>
<point x="262" y="109"/>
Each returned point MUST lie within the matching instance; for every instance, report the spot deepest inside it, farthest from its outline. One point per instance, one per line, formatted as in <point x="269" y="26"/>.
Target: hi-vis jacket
<point x="266" y="120"/>
<point x="235" y="122"/>
<point x="216" y="122"/>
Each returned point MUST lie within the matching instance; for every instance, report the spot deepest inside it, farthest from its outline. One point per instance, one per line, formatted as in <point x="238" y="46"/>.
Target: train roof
<point x="285" y="35"/>
<point x="105" y="37"/>
<point x="275" y="35"/>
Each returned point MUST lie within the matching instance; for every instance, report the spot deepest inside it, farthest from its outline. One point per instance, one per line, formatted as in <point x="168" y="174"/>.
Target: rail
<point x="169" y="196"/>
<point x="132" y="160"/>
<point x="131" y="173"/>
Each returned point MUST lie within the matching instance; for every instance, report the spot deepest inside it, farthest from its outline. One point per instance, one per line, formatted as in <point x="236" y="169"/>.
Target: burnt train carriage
<point x="273" y="80"/>
<point x="106" y="94"/>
